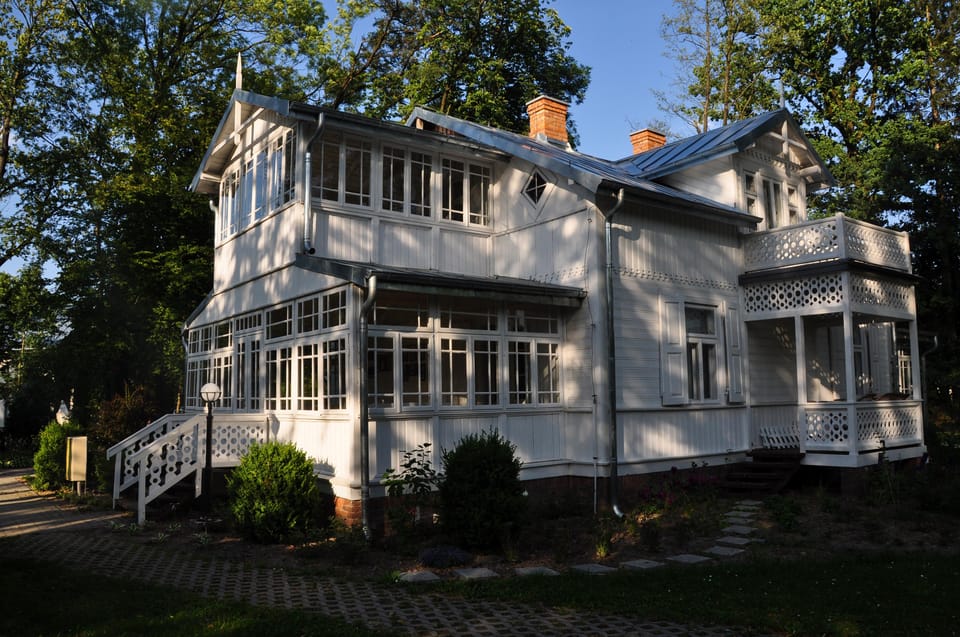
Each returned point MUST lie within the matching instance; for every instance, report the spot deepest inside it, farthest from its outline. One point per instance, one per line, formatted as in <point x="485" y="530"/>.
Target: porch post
<point x="801" y="363"/>
<point x="849" y="371"/>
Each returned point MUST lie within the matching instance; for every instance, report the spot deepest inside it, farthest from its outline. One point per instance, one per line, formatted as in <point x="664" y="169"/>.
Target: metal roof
<point x="716" y="143"/>
<point x="444" y="283"/>
<point x="590" y="172"/>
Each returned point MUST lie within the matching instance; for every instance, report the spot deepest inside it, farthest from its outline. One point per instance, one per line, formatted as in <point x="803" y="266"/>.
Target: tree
<point x="477" y="59"/>
<point x="723" y="78"/>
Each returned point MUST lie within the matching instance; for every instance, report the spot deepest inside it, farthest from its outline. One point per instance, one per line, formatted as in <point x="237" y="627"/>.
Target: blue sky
<point x="620" y="40"/>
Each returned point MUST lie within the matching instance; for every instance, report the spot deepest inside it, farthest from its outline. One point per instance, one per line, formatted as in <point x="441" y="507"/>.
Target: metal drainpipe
<point x="611" y="357"/>
<point x="368" y="302"/>
<point x="308" y="188"/>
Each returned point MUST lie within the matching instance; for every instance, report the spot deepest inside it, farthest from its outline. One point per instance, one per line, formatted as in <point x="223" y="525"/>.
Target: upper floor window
<point x="261" y="183"/>
<point x="343" y="172"/>
<point x="465" y="192"/>
<point x="778" y="202"/>
<point x="406" y="181"/>
<point x="535" y="187"/>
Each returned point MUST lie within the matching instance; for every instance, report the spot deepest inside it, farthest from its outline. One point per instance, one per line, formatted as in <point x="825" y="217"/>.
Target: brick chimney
<point x="646" y="139"/>
<point x="548" y="119"/>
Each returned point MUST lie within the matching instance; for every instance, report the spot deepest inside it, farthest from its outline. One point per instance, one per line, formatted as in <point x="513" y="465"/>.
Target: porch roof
<point x="443" y="283"/>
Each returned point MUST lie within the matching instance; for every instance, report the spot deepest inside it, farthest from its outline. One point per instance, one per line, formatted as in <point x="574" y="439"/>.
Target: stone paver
<point x="688" y="558"/>
<point x="723" y="551"/>
<point x="592" y="569"/>
<point x="739" y="529"/>
<point x="39" y="527"/>
<point x="735" y="540"/>
<point x="640" y="565"/>
<point x="524" y="571"/>
<point x="475" y="573"/>
<point x="419" y="577"/>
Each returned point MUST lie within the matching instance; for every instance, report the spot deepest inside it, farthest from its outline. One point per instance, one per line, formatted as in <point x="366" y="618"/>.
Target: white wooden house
<point x="377" y="286"/>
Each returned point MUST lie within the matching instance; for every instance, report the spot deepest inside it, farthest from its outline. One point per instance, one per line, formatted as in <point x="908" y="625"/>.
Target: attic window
<point x="535" y="187"/>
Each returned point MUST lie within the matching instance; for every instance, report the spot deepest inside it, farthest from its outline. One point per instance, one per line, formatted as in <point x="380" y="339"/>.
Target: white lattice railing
<point x="125" y="469"/>
<point x="836" y="237"/>
<point x="840" y="434"/>
<point x="171" y="449"/>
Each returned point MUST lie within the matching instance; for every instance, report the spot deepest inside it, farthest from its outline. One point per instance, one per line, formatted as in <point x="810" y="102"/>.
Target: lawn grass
<point x="856" y="595"/>
<point x="42" y="599"/>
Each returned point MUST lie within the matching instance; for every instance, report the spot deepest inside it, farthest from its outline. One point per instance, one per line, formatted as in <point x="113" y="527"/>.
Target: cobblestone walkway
<point x="36" y="527"/>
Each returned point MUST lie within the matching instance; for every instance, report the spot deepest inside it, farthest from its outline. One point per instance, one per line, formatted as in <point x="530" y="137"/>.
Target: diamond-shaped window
<point x="535" y="187"/>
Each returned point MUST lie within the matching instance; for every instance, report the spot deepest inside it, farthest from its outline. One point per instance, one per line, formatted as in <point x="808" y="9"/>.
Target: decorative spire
<point x="239" y="71"/>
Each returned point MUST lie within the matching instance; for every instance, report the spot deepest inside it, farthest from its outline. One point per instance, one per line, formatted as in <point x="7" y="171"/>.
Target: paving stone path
<point x="38" y="527"/>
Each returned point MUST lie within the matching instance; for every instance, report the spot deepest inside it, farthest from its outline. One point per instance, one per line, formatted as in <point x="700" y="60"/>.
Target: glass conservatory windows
<point x="343" y="172"/>
<point x="465" y="192"/>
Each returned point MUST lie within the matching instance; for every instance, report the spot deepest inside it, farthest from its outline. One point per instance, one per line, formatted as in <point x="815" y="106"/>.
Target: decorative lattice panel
<point x="232" y="440"/>
<point x="828" y="428"/>
<point x="880" y="294"/>
<point x="793" y="245"/>
<point x="169" y="459"/>
<point x="875" y="245"/>
<point x="810" y="292"/>
<point x="888" y="424"/>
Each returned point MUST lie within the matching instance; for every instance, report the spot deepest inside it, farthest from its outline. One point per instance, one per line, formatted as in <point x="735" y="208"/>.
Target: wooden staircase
<point x="767" y="472"/>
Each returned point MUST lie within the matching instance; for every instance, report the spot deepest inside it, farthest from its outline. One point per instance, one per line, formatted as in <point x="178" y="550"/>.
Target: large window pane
<point x="415" y="362"/>
<point x="453" y="383"/>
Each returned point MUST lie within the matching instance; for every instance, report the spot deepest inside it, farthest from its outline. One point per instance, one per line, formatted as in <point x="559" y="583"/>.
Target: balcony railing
<point x="833" y="238"/>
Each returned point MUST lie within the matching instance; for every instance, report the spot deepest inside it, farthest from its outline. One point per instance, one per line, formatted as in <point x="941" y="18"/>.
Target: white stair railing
<point x="162" y="460"/>
<point x="166" y="461"/>
<point x="125" y="469"/>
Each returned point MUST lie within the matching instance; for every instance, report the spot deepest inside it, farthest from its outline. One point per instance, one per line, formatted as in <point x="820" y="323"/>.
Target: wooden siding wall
<point x="716" y="180"/>
<point x="773" y="350"/>
<point x="664" y="255"/>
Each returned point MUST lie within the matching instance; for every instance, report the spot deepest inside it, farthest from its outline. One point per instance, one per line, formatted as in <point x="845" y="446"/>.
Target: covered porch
<point x="832" y="343"/>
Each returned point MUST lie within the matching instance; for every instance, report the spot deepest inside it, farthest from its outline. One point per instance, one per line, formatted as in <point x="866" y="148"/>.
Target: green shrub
<point x="274" y="494"/>
<point x="481" y="497"/>
<point x="50" y="461"/>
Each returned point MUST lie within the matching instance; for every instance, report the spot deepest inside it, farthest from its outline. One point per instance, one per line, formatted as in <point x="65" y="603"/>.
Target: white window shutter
<point x="735" y="391"/>
<point x="673" y="368"/>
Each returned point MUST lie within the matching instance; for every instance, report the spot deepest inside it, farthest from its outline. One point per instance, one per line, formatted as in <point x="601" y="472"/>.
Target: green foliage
<point x="50" y="461"/>
<point x="481" y="497"/>
<point x="274" y="494"/>
<point x="410" y="489"/>
<point x="477" y="59"/>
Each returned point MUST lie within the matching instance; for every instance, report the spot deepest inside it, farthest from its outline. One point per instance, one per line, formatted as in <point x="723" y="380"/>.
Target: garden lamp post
<point x="209" y="394"/>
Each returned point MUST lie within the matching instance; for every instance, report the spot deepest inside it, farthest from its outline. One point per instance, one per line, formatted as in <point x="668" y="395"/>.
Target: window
<point x="415" y="370"/>
<point x="548" y="373"/>
<point x="280" y="322"/>
<point x="702" y="341"/>
<point x="248" y="375"/>
<point x="772" y="202"/>
<point x="520" y="388"/>
<point x="535" y="187"/>
<point x="279" y="368"/>
<point x="309" y="357"/>
<point x="380" y="371"/>
<point x="394" y="160"/>
<point x="421" y="177"/>
<point x="453" y="372"/>
<point x="335" y="374"/>
<point x="343" y="172"/>
<point x="485" y="373"/>
<point x="260" y="183"/>
<point x="334" y="309"/>
<point x="694" y="339"/>
<point x="308" y="315"/>
<point x="465" y="192"/>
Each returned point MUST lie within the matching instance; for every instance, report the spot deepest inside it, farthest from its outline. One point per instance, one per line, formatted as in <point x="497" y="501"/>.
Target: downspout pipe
<point x="368" y="301"/>
<point x="614" y="491"/>
<point x="308" y="247"/>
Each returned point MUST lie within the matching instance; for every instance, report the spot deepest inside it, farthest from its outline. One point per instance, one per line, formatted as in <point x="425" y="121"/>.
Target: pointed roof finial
<point x="239" y="71"/>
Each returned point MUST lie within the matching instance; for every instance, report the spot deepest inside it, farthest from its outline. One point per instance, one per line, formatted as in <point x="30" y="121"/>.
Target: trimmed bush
<point x="50" y="461"/>
<point x="481" y="496"/>
<point x="274" y="494"/>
